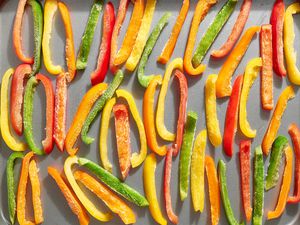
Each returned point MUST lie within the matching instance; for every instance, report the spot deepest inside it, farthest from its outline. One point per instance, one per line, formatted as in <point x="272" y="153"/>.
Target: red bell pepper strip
<point x="232" y="116"/>
<point x="99" y="74"/>
<point x="276" y="20"/>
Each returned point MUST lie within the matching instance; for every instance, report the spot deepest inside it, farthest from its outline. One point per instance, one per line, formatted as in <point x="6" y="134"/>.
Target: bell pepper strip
<point x="150" y="189"/>
<point x="118" y="78"/>
<point x="251" y="72"/>
<point x="131" y="33"/>
<point x="224" y="194"/>
<point x="231" y="118"/>
<point x="81" y="114"/>
<point x="212" y="122"/>
<point x="160" y="113"/>
<point x="114" y="183"/>
<point x="266" y="52"/>
<point x="213" y="31"/>
<point x="142" y="36"/>
<point x="69" y="49"/>
<point x="17" y="36"/>
<point x="285" y="186"/>
<point x="274" y="124"/>
<point x="236" y="32"/>
<point x="278" y="147"/>
<point x="213" y="190"/>
<point x="224" y="78"/>
<point x="136" y="158"/>
<point x="122" y="129"/>
<point x="72" y="200"/>
<point x="186" y="154"/>
<point x="10" y="181"/>
<point x="148" y="117"/>
<point x="201" y="10"/>
<point x="197" y="171"/>
<point x="277" y="20"/>
<point x="183" y="86"/>
<point x="22" y="189"/>
<point x="36" y="192"/>
<point x="171" y="43"/>
<point x="50" y="10"/>
<point x="142" y="78"/>
<point x="258" y="186"/>
<point x="16" y="97"/>
<point x="167" y="189"/>
<point x="98" y="75"/>
<point x="9" y="138"/>
<point x="295" y="136"/>
<point x="245" y="172"/>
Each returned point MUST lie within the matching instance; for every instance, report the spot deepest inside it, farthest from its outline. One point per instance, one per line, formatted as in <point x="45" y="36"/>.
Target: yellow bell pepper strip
<point x="171" y="43"/>
<point x="148" y="117"/>
<point x="202" y="8"/>
<point x="224" y="78"/>
<point x="212" y="122"/>
<point x="9" y="138"/>
<point x="197" y="171"/>
<point x="274" y="124"/>
<point x="213" y="190"/>
<point x="150" y="189"/>
<point x="136" y="158"/>
<point x="111" y="200"/>
<point x="36" y="192"/>
<point x="252" y="69"/>
<point x="73" y="202"/>
<point x="160" y="113"/>
<point x="288" y="40"/>
<point x="142" y="36"/>
<point x="131" y="33"/>
<point x="285" y="186"/>
<point x="81" y="114"/>
<point x="89" y="206"/>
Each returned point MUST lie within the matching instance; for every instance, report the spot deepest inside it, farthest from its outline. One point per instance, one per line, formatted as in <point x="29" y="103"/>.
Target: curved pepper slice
<point x="197" y="171"/>
<point x="201" y="10"/>
<point x="252" y="69"/>
<point x="213" y="31"/>
<point x="236" y="31"/>
<point x="287" y="94"/>
<point x="232" y="62"/>
<point x="142" y="78"/>
<point x="9" y="138"/>
<point x="150" y="189"/>
<point x="81" y="114"/>
<point x="285" y="186"/>
<point x="70" y="196"/>
<point x="170" y="45"/>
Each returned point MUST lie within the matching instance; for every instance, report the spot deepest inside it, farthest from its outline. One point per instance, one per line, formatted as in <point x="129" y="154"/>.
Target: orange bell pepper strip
<point x="202" y="8"/>
<point x="285" y="186"/>
<point x="224" y="79"/>
<point x="70" y="196"/>
<point x="131" y="33"/>
<point x="270" y="135"/>
<point x="171" y="43"/>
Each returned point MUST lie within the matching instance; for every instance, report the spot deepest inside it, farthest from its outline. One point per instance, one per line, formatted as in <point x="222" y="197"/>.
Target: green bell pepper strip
<point x="258" y="183"/>
<point x="118" y="78"/>
<point x="224" y="194"/>
<point x="11" y="196"/>
<point x="213" y="31"/>
<point x="186" y="153"/>
<point x="88" y="35"/>
<point x="114" y="183"/>
<point x="142" y="78"/>
<point x="278" y="147"/>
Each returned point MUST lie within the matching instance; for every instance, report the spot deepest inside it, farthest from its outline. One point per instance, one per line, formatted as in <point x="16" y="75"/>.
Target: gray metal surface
<point x="56" y="210"/>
